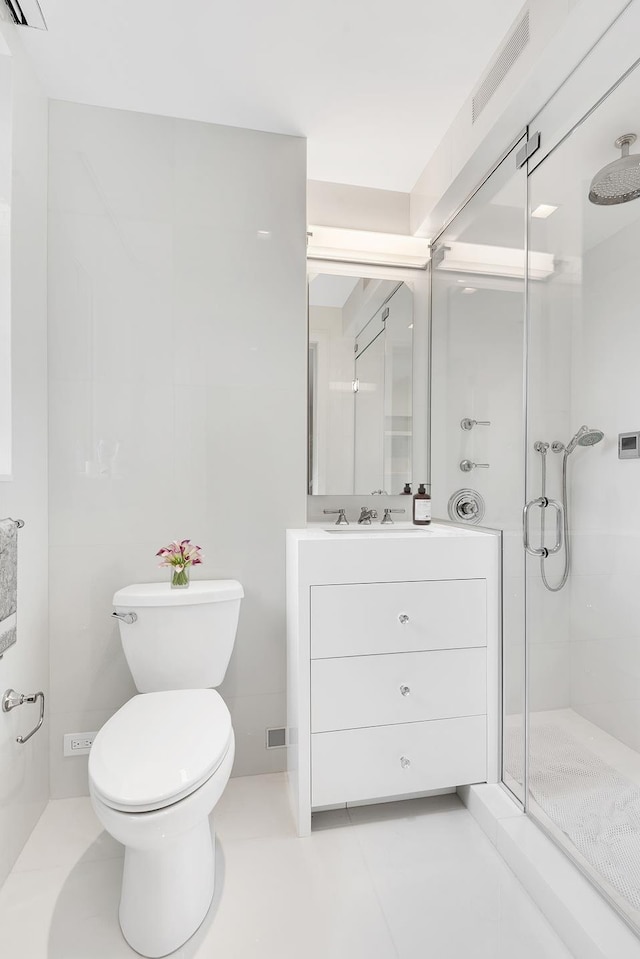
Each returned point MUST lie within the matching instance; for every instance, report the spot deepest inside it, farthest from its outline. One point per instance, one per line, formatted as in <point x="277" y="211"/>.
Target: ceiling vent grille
<point x="26" y="13"/>
<point x="506" y="59"/>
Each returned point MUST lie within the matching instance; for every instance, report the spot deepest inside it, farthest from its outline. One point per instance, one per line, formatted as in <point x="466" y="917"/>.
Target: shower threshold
<point x="585" y="794"/>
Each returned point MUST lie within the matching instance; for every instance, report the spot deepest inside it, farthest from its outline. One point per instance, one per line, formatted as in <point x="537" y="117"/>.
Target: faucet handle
<point x="467" y="423"/>
<point x="342" y="518"/>
<point x="466" y="466"/>
<point x="387" y="515"/>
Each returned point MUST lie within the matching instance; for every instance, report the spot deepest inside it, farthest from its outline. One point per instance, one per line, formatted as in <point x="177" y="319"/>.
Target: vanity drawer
<point x="355" y="620"/>
<point x="397" y="688"/>
<point x="384" y="761"/>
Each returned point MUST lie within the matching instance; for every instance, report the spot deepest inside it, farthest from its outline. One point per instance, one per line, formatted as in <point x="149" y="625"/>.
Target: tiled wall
<point x="605" y="611"/>
<point x="549" y="410"/>
<point x="24" y="783"/>
<point x="177" y="394"/>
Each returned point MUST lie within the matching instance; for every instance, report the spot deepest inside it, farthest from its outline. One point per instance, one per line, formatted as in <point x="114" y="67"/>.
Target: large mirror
<point x="360" y="385"/>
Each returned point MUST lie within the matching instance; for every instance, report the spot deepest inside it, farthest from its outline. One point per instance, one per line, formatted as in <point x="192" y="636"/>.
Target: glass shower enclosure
<point x="535" y="293"/>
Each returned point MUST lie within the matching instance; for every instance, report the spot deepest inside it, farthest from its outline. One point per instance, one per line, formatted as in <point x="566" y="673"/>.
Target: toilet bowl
<point x="156" y="771"/>
<point x="158" y="767"/>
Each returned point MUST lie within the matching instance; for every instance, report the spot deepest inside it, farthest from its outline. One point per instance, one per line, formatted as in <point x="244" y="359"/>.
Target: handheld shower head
<point x="584" y="437"/>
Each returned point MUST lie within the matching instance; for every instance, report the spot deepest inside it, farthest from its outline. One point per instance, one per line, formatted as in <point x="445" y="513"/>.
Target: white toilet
<point x="159" y="765"/>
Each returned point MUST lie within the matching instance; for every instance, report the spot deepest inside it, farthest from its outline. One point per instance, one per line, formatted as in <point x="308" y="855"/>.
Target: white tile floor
<point x="413" y="880"/>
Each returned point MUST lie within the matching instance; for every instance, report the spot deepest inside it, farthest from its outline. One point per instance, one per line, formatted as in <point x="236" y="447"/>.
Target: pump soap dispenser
<point x="422" y="507"/>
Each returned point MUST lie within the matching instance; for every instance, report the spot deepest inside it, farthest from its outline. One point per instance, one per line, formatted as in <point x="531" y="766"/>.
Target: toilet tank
<point x="181" y="638"/>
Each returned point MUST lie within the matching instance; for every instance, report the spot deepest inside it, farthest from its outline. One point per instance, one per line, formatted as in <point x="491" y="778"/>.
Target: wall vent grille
<point x="276" y="738"/>
<point x="26" y="13"/>
<point x="511" y="51"/>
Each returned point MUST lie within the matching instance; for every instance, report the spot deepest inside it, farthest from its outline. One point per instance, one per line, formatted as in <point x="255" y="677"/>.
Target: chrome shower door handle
<point x="532" y="550"/>
<point x="543" y="503"/>
<point x="559" y="524"/>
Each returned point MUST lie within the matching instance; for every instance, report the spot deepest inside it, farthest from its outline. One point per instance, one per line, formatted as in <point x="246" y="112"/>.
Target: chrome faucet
<point x="342" y="518"/>
<point x="366" y="515"/>
<point x="386" y="519"/>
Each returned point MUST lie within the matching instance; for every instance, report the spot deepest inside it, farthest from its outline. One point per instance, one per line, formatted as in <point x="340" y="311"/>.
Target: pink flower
<point x="180" y="554"/>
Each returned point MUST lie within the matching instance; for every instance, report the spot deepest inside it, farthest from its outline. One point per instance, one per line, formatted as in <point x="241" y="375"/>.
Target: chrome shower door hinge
<point x="526" y="152"/>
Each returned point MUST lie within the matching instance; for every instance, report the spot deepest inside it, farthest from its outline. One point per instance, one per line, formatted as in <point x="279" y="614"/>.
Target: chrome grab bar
<point x="543" y="502"/>
<point x="129" y="618"/>
<point x="11" y="699"/>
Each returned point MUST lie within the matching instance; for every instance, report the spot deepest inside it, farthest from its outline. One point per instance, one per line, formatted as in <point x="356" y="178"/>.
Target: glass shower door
<point x="477" y="415"/>
<point x="583" y="593"/>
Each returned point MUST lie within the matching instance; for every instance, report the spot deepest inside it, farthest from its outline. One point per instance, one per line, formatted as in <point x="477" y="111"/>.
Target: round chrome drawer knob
<point x="404" y="762"/>
<point x="405" y="690"/>
<point x="403" y="618"/>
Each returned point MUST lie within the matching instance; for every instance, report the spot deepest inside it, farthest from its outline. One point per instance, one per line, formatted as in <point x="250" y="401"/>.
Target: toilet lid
<point x="159" y="747"/>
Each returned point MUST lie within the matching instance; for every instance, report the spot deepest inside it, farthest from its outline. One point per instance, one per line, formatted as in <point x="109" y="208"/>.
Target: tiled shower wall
<point x="177" y="352"/>
<point x="605" y="649"/>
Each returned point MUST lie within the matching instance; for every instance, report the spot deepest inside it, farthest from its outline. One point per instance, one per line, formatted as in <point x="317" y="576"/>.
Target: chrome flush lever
<point x="129" y="618"/>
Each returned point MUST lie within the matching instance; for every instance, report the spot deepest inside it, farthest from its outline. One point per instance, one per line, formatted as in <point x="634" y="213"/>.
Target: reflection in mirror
<point x="360" y="385"/>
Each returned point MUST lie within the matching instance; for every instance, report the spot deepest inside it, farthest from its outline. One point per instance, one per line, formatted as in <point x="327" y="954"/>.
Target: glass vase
<point x="180" y="578"/>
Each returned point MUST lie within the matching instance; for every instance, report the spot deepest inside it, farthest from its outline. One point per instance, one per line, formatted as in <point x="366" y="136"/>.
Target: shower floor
<point x="585" y="791"/>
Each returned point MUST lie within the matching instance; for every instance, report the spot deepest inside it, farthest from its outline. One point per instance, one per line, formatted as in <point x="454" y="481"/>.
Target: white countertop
<point x="435" y="530"/>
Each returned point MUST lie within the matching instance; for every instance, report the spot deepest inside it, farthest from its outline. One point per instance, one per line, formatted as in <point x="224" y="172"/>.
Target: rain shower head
<point x="618" y="182"/>
<point x="584" y="437"/>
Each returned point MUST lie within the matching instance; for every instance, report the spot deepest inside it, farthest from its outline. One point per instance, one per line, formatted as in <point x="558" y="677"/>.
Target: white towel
<point x="8" y="583"/>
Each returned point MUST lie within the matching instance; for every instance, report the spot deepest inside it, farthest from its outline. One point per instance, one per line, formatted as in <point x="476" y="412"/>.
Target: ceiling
<point x="326" y="289"/>
<point x="373" y="85"/>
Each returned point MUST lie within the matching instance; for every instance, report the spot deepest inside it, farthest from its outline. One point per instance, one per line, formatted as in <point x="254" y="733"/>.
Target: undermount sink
<point x="377" y="529"/>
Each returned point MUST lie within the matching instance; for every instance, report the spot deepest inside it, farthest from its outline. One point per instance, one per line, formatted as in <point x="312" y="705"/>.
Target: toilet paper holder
<point x="11" y="699"/>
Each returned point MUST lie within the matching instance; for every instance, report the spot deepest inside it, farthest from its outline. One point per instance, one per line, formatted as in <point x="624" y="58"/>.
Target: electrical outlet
<point x="78" y="744"/>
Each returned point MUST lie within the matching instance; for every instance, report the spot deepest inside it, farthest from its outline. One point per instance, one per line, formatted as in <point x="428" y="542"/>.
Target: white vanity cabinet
<point x="392" y="663"/>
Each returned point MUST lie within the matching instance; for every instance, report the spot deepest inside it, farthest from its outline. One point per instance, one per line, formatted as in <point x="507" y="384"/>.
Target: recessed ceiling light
<point x="410" y="327"/>
<point x="544" y="210"/>
<point x="470" y="289"/>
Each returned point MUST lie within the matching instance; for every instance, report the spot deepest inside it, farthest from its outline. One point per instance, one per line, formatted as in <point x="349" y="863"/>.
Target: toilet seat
<point x="158" y="748"/>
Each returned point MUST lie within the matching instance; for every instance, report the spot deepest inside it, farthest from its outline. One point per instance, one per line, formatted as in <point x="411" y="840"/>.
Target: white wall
<point x="24" y="771"/>
<point x="605" y="652"/>
<point x="357" y="207"/>
<point x="177" y="394"/>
